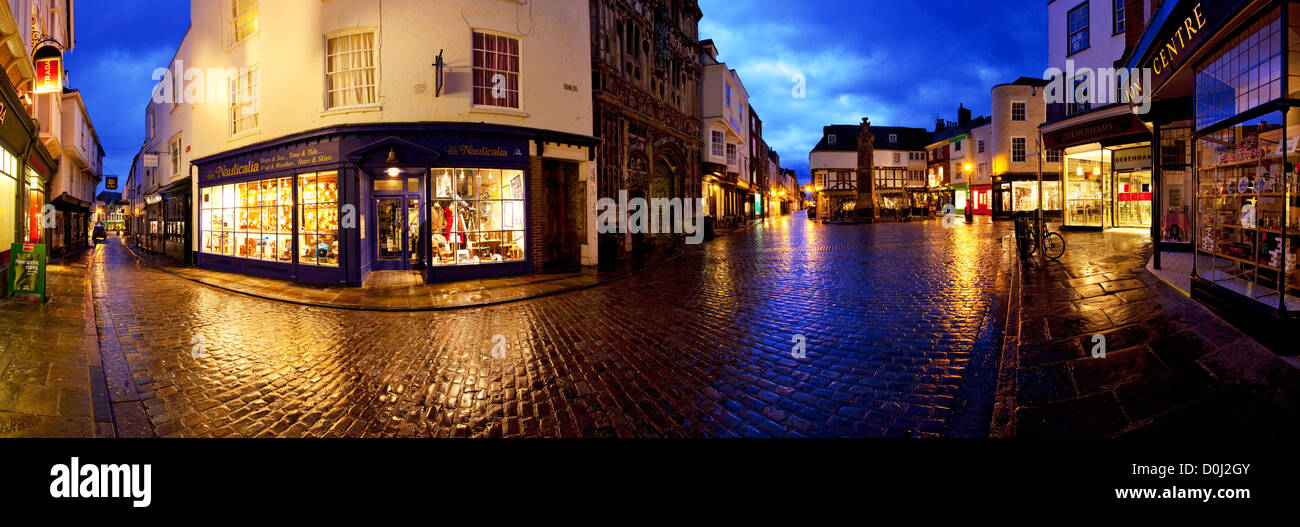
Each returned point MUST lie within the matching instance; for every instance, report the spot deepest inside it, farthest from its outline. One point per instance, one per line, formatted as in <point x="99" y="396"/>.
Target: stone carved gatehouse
<point x="645" y="90"/>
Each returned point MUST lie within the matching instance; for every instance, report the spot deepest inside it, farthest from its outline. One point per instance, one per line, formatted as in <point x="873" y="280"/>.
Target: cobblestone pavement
<point x="899" y="321"/>
<point x="48" y="358"/>
<point x="1171" y="367"/>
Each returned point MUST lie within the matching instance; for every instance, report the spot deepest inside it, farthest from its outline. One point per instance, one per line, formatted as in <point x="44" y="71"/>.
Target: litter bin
<point x="710" y="224"/>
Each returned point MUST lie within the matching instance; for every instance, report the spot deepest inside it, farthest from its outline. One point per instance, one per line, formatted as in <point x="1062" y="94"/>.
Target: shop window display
<point x="318" y="219"/>
<point x="252" y="220"/>
<point x="1086" y="189"/>
<point x="1175" y="161"/>
<point x="1248" y="215"/>
<point x="1024" y="195"/>
<point x="477" y="216"/>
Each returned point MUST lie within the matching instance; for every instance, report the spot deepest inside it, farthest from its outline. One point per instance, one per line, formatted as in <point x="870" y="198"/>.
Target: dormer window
<point x="830" y="139"/>
<point x="893" y="138"/>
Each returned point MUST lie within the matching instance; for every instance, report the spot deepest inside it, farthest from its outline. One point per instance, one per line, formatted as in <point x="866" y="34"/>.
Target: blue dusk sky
<point x="899" y="62"/>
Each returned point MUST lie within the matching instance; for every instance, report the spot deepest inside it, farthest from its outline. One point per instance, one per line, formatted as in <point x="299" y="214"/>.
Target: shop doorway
<point x="396" y="238"/>
<point x="1133" y="199"/>
<point x="564" y="217"/>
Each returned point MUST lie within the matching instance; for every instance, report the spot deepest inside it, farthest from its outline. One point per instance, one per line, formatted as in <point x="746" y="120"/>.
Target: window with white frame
<point x="245" y="100"/>
<point x="496" y="70"/>
<point x="898" y="158"/>
<point x="1077" y="24"/>
<point x="1019" y="112"/>
<point x="830" y="139"/>
<point x="731" y="154"/>
<point x="893" y="138"/>
<point x="350" y="72"/>
<point x="1018" y="149"/>
<point x="1053" y="155"/>
<point x="175" y="149"/>
<point x="718" y="144"/>
<point x="151" y="124"/>
<point x="243" y="18"/>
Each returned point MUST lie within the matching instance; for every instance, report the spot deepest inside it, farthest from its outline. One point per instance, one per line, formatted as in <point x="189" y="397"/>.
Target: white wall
<point x="289" y="51"/>
<point x="1105" y="48"/>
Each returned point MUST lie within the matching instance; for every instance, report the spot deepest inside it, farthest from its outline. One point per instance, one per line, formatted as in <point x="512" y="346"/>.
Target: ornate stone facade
<point x="645" y="85"/>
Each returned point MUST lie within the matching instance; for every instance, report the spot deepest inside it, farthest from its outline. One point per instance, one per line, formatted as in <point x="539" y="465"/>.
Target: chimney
<point x="939" y="124"/>
<point x="963" y="116"/>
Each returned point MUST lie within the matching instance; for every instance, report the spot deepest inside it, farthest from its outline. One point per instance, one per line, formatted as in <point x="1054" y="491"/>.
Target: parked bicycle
<point x="1030" y="231"/>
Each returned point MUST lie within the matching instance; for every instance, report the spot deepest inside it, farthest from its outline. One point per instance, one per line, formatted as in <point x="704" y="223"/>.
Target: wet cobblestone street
<point x="698" y="347"/>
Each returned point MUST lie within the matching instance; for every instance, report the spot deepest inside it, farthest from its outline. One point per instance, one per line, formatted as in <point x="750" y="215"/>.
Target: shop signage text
<point x="1184" y="35"/>
<point x="110" y="183"/>
<point x="479" y="151"/>
<point x="28" y="269"/>
<point x="1113" y="127"/>
<point x="1132" y="159"/>
<point x="49" y="75"/>
<point x="1188" y="26"/>
<point x="273" y="161"/>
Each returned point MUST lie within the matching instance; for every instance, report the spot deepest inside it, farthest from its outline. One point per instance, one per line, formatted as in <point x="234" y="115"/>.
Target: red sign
<point x="1134" y="196"/>
<point x="29" y="247"/>
<point x="49" y="75"/>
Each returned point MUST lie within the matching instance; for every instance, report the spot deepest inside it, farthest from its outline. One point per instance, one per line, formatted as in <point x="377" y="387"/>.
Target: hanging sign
<point x="49" y="75"/>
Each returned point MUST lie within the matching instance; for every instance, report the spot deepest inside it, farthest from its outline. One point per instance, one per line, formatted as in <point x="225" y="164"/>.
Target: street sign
<point x="28" y="269"/>
<point x="110" y="183"/>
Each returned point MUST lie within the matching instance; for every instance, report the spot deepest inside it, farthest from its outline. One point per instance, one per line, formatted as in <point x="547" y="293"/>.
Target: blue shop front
<point x="334" y="205"/>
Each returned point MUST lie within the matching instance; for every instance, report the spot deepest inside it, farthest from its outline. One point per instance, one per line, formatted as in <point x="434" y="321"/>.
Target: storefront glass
<point x="248" y="220"/>
<point x="1246" y="73"/>
<point x="1024" y="196"/>
<point x="1247" y="218"/>
<point x="8" y="192"/>
<point x="1175" y="173"/>
<point x="1087" y="188"/>
<point x="1133" y="199"/>
<point x="478" y="216"/>
<point x="318" y="219"/>
<point x="254" y="220"/>
<point x="33" y="227"/>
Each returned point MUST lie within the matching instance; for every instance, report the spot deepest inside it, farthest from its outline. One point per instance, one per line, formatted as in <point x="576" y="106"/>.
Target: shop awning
<point x="1176" y="35"/>
<point x="1103" y="123"/>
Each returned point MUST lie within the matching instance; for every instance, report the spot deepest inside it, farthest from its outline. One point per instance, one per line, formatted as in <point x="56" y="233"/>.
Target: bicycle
<point x="1030" y="231"/>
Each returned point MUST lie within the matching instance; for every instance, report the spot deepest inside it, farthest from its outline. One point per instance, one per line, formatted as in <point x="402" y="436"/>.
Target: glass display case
<point x="1247" y="214"/>
<point x="477" y="216"/>
<point x="1087" y="189"/>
